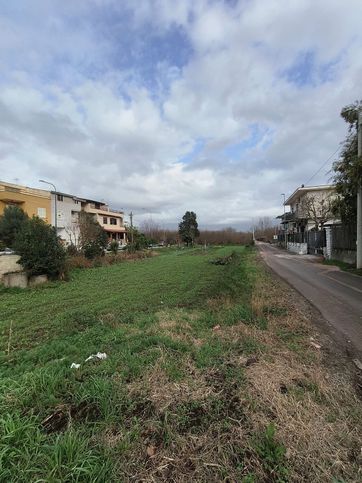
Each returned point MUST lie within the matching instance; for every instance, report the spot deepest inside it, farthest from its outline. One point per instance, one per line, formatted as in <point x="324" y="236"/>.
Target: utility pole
<point x="359" y="195"/>
<point x="285" y="231"/>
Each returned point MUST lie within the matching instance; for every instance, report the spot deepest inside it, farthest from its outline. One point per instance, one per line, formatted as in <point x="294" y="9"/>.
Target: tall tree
<point x="93" y="239"/>
<point x="188" y="228"/>
<point x="11" y="223"/>
<point x="348" y="169"/>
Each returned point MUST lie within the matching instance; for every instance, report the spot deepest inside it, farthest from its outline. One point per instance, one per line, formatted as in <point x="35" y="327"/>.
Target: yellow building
<point x="32" y="201"/>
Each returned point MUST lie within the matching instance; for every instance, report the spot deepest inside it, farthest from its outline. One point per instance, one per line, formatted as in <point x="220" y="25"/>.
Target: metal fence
<point x="344" y="237"/>
<point x="315" y="240"/>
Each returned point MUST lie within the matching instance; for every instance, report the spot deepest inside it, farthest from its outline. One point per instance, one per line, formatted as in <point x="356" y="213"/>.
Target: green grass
<point x="346" y="267"/>
<point x="111" y="309"/>
<point x="178" y="397"/>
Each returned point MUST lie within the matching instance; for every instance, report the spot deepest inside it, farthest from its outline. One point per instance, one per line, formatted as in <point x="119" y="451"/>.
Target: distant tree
<point x="264" y="228"/>
<point x="11" y="222"/>
<point x="93" y="240"/>
<point x="348" y="169"/>
<point x="40" y="250"/>
<point x="188" y="228"/>
<point x="152" y="231"/>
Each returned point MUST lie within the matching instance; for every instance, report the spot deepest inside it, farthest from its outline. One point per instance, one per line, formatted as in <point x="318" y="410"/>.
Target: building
<point x="310" y="209"/>
<point x="68" y="208"/>
<point x="34" y="202"/>
<point x="111" y="221"/>
<point x="41" y="203"/>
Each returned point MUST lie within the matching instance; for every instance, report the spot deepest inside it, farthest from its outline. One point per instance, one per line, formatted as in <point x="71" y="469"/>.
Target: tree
<point x="152" y="230"/>
<point x="348" y="169"/>
<point x="93" y="239"/>
<point x="10" y="224"/>
<point x="140" y="241"/>
<point x="40" y="250"/>
<point x="188" y="228"/>
<point x="317" y="209"/>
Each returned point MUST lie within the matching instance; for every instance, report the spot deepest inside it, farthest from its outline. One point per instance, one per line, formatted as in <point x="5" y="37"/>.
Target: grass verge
<point x="346" y="267"/>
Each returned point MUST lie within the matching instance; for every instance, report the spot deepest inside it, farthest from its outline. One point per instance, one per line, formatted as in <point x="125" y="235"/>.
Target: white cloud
<point x="97" y="129"/>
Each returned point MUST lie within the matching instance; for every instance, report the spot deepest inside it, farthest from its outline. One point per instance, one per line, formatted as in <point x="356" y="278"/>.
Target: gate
<point x="316" y="241"/>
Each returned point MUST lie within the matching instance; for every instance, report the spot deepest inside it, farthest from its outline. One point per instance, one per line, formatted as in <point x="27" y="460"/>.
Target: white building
<point x="68" y="208"/>
<point x="309" y="205"/>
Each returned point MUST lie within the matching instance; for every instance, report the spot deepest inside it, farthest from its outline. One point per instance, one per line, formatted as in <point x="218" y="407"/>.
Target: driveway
<point x="336" y="294"/>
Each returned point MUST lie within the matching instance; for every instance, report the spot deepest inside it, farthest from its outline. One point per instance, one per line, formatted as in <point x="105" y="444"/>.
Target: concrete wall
<point x="347" y="256"/>
<point x="8" y="263"/>
<point x="299" y="248"/>
<point x="22" y="280"/>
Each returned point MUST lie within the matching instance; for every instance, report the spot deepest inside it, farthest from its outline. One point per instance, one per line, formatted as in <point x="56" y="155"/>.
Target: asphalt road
<point x="336" y="294"/>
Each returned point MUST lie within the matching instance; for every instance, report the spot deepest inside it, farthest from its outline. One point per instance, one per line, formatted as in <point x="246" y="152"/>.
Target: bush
<point x="113" y="246"/>
<point x="92" y="250"/>
<point x="72" y="250"/>
<point x="11" y="223"/>
<point x="93" y="239"/>
<point x="40" y="250"/>
<point x="78" y="261"/>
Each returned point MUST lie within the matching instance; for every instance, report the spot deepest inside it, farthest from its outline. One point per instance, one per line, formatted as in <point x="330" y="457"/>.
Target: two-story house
<point x="310" y="208"/>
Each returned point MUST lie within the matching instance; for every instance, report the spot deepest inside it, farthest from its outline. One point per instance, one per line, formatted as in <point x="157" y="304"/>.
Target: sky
<point x="163" y="106"/>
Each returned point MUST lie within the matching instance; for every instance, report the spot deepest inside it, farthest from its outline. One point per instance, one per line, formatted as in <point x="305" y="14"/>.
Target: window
<point x="76" y="202"/>
<point x="113" y="221"/>
<point x="42" y="212"/>
<point x="97" y="206"/>
<point x="60" y="197"/>
<point x="105" y="220"/>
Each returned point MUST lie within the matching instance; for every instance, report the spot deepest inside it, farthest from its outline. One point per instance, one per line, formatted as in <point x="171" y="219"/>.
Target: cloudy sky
<point x="162" y="106"/>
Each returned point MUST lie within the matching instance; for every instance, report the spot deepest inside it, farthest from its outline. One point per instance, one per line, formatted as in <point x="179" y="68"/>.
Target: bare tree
<point x="152" y="230"/>
<point x="265" y="228"/>
<point x="317" y="209"/>
<point x="73" y="232"/>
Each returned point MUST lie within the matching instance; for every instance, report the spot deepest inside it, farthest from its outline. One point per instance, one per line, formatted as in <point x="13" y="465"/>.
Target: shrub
<point x="72" y="250"/>
<point x="11" y="223"/>
<point x="92" y="250"/>
<point x="40" y="250"/>
<point x="113" y="246"/>
<point x="93" y="239"/>
<point x="78" y="261"/>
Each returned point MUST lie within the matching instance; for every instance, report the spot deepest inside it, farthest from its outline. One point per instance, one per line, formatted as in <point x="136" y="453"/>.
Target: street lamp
<point x="55" y="203"/>
<point x="285" y="231"/>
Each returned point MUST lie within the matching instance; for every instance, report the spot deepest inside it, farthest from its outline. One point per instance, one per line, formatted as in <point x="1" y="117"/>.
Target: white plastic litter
<point x="75" y="366"/>
<point x="99" y="355"/>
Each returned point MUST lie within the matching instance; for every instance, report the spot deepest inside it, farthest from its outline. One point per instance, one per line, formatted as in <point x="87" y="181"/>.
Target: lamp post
<point x="55" y="204"/>
<point x="285" y="231"/>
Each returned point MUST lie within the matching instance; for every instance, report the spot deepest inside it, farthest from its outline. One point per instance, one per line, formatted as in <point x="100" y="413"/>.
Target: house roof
<point x="306" y="189"/>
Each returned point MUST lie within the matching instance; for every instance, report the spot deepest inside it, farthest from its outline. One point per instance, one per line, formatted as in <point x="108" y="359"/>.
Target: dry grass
<point x="284" y="380"/>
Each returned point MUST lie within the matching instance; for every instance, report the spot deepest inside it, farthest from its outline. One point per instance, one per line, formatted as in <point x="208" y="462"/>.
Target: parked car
<point x="7" y="251"/>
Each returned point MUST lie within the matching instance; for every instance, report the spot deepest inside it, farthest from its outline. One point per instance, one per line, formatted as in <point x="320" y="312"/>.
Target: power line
<point x="325" y="162"/>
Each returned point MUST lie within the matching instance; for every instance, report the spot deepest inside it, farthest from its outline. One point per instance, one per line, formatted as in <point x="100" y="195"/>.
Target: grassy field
<point x="209" y="376"/>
